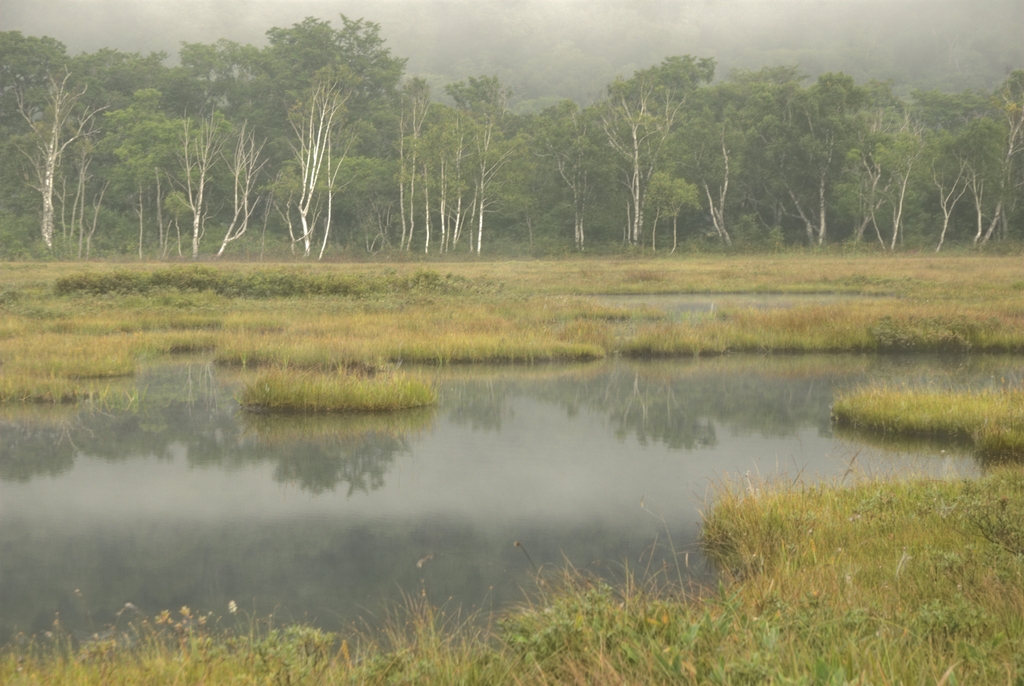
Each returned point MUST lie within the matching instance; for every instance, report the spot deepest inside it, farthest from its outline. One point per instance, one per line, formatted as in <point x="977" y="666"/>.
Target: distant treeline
<point x="317" y="144"/>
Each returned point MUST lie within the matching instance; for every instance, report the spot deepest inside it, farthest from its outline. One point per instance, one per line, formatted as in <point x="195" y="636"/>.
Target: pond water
<point x="186" y="501"/>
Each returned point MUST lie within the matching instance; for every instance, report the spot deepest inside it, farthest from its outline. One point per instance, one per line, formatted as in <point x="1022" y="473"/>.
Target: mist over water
<point x="548" y="50"/>
<point x="330" y="519"/>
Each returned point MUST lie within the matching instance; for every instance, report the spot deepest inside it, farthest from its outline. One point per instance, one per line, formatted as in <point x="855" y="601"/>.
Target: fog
<point x="549" y="49"/>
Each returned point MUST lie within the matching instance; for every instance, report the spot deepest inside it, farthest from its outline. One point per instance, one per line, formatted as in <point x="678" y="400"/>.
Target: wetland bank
<point x="580" y="408"/>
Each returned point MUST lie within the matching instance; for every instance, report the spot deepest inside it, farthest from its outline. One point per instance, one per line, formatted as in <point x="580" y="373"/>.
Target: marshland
<point x="545" y="341"/>
<point x="593" y="470"/>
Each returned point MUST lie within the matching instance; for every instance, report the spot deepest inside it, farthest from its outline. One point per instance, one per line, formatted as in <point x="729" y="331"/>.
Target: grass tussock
<point x="913" y="582"/>
<point x="991" y="420"/>
<point x="283" y="390"/>
<point x="34" y="390"/>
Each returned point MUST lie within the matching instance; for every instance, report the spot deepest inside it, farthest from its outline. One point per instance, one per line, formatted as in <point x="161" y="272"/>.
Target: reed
<point x="35" y="390"/>
<point x="68" y="357"/>
<point x="283" y="390"/>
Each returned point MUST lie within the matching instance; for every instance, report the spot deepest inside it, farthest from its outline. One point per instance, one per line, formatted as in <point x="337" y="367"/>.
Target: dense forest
<point x="317" y="143"/>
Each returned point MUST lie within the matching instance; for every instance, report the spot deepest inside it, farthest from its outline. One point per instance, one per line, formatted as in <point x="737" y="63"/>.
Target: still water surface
<point x="185" y="501"/>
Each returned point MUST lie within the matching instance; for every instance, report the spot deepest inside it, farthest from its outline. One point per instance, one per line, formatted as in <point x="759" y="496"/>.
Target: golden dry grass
<point x="487" y="312"/>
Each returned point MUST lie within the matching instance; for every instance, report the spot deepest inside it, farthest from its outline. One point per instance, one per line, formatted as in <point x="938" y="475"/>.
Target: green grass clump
<point x="991" y="420"/>
<point x="19" y="389"/>
<point x="35" y="390"/>
<point x="312" y="393"/>
<point x="943" y="334"/>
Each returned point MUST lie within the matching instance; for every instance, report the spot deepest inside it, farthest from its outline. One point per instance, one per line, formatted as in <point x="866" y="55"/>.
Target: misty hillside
<point x="551" y="49"/>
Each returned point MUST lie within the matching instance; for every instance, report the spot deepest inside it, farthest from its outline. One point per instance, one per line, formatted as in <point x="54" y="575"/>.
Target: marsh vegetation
<point x="780" y="285"/>
<point x="545" y="380"/>
<point x="70" y="337"/>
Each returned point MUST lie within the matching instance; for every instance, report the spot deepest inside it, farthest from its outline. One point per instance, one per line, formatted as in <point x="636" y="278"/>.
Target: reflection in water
<point x="357" y="451"/>
<point x="185" y="501"/>
<point x="29" y="449"/>
<point x="479" y="405"/>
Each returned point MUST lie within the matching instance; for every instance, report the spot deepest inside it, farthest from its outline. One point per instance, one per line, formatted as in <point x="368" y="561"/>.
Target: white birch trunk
<point x="426" y="211"/>
<point x="245" y="167"/>
<point x="314" y="131"/>
<point x="51" y="137"/>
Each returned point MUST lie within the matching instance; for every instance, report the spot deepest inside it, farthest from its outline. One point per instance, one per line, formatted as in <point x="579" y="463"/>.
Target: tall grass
<point x="68" y="356"/>
<point x="881" y="326"/>
<point x="889" y="581"/>
<point x="276" y="430"/>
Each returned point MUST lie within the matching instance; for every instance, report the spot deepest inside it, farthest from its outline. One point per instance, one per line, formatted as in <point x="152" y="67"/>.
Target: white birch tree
<point x="567" y="138"/>
<point x="315" y="123"/>
<point x="486" y="103"/>
<point x="200" y="148"/>
<point x="245" y="167"/>
<point x="638" y="118"/>
<point x="899" y="155"/>
<point x="55" y="123"/>
<point x="948" y="174"/>
<point x="415" y="105"/>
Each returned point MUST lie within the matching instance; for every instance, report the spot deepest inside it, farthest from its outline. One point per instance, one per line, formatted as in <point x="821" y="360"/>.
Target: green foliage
<point x="293" y="655"/>
<point x="994" y="510"/>
<point x="764" y="156"/>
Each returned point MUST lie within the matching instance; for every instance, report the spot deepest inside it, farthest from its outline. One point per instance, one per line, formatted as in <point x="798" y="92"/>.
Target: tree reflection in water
<point x="203" y="540"/>
<point x="187" y="407"/>
<point x="321" y="453"/>
<point x="681" y="404"/>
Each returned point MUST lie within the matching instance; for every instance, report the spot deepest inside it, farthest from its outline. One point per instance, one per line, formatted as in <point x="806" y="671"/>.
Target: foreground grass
<point x="992" y="421"/>
<point x="912" y="582"/>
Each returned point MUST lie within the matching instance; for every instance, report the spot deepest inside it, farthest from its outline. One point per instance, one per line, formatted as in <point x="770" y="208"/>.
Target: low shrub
<point x="263" y="283"/>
